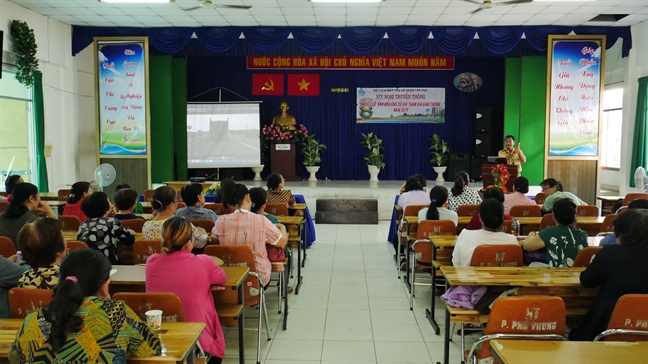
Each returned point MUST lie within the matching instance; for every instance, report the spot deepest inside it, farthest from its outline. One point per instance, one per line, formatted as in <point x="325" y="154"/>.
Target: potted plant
<point x="311" y="150"/>
<point x="375" y="159"/>
<point x="439" y="150"/>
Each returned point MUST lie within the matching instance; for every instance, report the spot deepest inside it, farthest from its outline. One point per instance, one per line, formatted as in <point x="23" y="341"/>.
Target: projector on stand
<point x="198" y="179"/>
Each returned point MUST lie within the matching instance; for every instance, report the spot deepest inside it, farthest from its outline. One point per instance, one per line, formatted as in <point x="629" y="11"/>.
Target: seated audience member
<point x="165" y="204"/>
<point x="492" y="192"/>
<point x="437" y="209"/>
<point x="276" y="193"/>
<point x="78" y="193"/>
<point x="618" y="269"/>
<point x="192" y="195"/>
<point x="518" y="197"/>
<point x="461" y="193"/>
<point x="10" y="273"/>
<point x="43" y="247"/>
<point x="82" y="324"/>
<point x="554" y="191"/>
<point x="138" y="206"/>
<point x="639" y="203"/>
<point x="10" y="183"/>
<point x="421" y="178"/>
<point x="126" y="201"/>
<point x="258" y="199"/>
<point x="100" y="231"/>
<point x="564" y="241"/>
<point x="170" y="272"/>
<point x="414" y="194"/>
<point x="22" y="209"/>
<point x="243" y="227"/>
<point x="491" y="215"/>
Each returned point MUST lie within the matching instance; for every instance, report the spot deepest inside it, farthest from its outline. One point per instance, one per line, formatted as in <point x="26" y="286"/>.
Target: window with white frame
<point x="611" y="128"/>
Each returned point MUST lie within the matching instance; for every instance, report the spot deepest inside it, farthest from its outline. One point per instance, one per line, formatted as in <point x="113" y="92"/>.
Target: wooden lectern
<point x="283" y="158"/>
<point x="487" y="178"/>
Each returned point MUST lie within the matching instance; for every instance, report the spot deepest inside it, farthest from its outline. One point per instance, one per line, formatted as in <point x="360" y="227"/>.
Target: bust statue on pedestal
<point x="284" y="118"/>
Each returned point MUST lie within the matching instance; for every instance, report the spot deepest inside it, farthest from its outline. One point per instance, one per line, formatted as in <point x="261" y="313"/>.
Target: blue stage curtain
<point x="500" y="40"/>
<point x="266" y="39"/>
<point x="218" y="39"/>
<point x="453" y="40"/>
<point x="408" y="39"/>
<point x="362" y="40"/>
<point x="315" y="39"/>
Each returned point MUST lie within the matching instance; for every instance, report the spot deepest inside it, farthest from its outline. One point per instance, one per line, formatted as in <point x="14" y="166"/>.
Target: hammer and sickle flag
<point x="267" y="84"/>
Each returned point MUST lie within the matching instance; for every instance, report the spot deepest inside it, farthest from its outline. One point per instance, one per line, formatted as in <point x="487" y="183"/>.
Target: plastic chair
<point x="73" y="245"/>
<point x="148" y="195"/>
<point x="521" y="318"/>
<point x="23" y="301"/>
<point x="633" y="196"/>
<point x="584" y="257"/>
<point x="403" y="232"/>
<point x="69" y="222"/>
<point x="3" y="205"/>
<point x="587" y="210"/>
<point x="181" y="205"/>
<point x="7" y="247"/>
<point x="133" y="224"/>
<point x="208" y="225"/>
<point x="168" y="302"/>
<point x="506" y="226"/>
<point x="64" y="194"/>
<point x="427" y="228"/>
<point x="497" y="256"/>
<point x="277" y="209"/>
<point x="629" y="311"/>
<point x="143" y="249"/>
<point x="467" y="210"/>
<point x="525" y="211"/>
<point x="219" y="209"/>
<point x="242" y="254"/>
<point x="540" y="198"/>
<point x="607" y="226"/>
<point x="547" y="221"/>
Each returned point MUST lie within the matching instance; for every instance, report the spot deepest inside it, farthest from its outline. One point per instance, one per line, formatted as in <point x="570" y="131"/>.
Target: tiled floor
<point x="351" y="308"/>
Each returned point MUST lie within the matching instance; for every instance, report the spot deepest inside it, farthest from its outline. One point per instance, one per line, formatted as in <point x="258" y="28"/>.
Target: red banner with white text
<point x="351" y="62"/>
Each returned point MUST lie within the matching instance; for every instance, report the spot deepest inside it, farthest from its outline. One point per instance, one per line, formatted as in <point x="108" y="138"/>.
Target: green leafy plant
<point x="25" y="48"/>
<point x="439" y="150"/>
<point x="374" y="157"/>
<point x="312" y="150"/>
<point x="265" y="145"/>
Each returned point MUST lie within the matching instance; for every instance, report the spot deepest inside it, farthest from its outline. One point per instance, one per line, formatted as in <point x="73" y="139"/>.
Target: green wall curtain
<point x="39" y="133"/>
<point x="640" y="138"/>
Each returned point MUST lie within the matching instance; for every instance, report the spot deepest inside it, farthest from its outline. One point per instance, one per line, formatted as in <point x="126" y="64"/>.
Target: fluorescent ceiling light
<point x="346" y="1"/>
<point x="564" y="1"/>
<point x="136" y="1"/>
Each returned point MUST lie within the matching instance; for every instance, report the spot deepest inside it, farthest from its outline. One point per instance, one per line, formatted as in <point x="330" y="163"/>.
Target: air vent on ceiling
<point x="608" y="18"/>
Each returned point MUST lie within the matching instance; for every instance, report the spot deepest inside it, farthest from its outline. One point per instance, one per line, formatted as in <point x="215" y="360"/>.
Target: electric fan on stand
<point x="105" y="175"/>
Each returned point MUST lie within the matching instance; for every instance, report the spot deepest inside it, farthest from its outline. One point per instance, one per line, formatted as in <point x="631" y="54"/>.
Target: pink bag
<point x="275" y="254"/>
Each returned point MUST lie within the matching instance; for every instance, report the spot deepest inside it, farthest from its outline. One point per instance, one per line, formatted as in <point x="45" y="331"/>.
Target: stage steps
<point x="346" y="211"/>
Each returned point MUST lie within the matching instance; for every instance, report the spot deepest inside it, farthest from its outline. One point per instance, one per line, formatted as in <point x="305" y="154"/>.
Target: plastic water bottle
<point x="515" y="227"/>
<point x="19" y="257"/>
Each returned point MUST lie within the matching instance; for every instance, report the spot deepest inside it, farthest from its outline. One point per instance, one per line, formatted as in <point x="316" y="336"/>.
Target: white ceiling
<point x="305" y="13"/>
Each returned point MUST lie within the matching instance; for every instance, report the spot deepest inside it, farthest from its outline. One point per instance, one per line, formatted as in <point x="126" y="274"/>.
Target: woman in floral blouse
<point x="82" y="324"/>
<point x="100" y="231"/>
<point x="43" y="247"/>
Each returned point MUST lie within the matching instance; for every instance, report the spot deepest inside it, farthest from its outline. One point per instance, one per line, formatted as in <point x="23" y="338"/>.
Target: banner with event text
<point x="400" y="105"/>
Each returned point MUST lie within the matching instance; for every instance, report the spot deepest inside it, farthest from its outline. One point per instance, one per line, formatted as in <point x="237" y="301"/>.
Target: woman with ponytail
<point x="78" y="193"/>
<point x="165" y="204"/>
<point x="243" y="227"/>
<point x="82" y="324"/>
<point x="25" y="206"/>
<point x="190" y="277"/>
<point x="461" y="193"/>
<point x="437" y="210"/>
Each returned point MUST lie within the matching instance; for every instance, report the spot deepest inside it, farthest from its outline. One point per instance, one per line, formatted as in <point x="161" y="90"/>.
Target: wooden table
<point x="58" y="205"/>
<point x="72" y="235"/>
<point x="49" y="196"/>
<point x="177" y="338"/>
<point x="177" y="185"/>
<point x="541" y="352"/>
<point x="608" y="202"/>
<point x="299" y="222"/>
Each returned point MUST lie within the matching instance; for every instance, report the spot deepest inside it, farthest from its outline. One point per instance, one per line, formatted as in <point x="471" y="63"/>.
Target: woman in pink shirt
<point x="190" y="277"/>
<point x="245" y="227"/>
<point x="521" y="187"/>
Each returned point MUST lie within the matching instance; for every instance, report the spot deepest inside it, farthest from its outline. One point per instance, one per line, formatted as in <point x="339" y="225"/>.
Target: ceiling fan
<point x="208" y="4"/>
<point x="488" y="4"/>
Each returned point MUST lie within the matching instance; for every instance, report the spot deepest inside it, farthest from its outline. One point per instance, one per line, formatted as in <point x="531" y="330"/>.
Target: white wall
<point x="636" y="66"/>
<point x="68" y="91"/>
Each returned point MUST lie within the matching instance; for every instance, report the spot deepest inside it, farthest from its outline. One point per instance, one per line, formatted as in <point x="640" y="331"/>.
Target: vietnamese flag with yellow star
<point x="303" y="84"/>
<point x="268" y="84"/>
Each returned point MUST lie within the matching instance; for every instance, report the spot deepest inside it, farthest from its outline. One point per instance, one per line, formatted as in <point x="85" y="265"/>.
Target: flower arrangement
<point x="500" y="175"/>
<point x="213" y="189"/>
<point x="503" y="188"/>
<point x="284" y="133"/>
